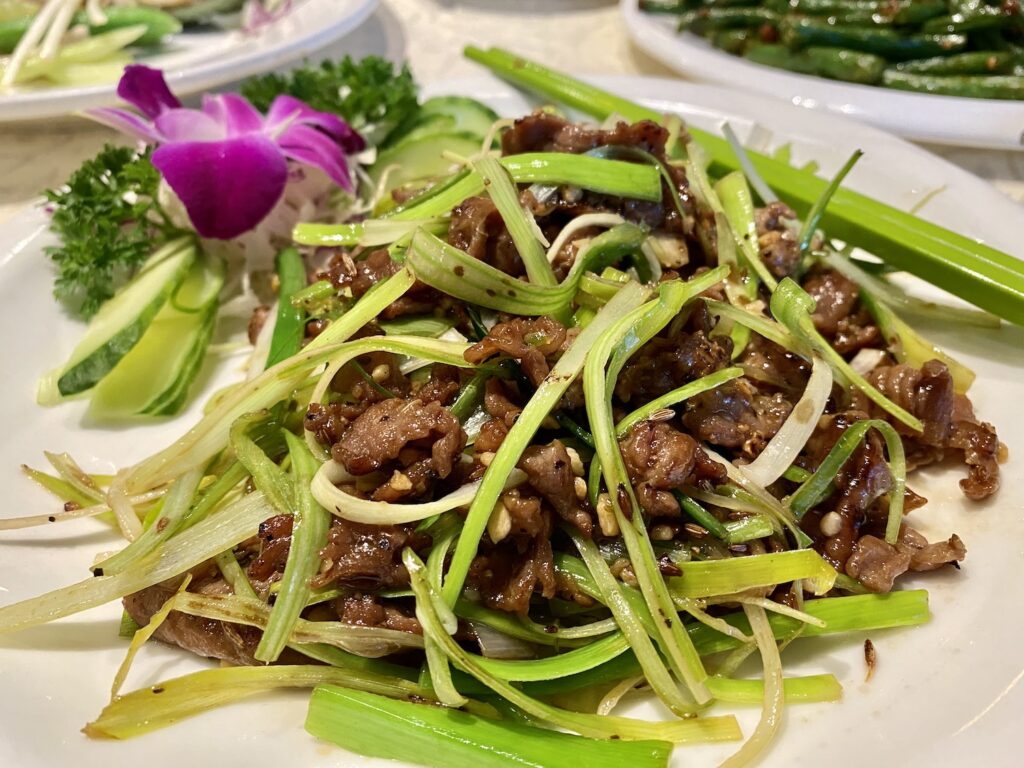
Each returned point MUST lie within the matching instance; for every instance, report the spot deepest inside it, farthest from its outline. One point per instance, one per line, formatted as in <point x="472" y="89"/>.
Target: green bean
<point x="897" y="14"/>
<point x="916" y="12"/>
<point x="710" y="19"/>
<point x="833" y="63"/>
<point x="775" y="55"/>
<point x="668" y="6"/>
<point x="827" y="7"/>
<point x="732" y="40"/>
<point x="969" y="86"/>
<point x="972" y="63"/>
<point x="851" y="66"/>
<point x="985" y="17"/>
<point x="799" y="33"/>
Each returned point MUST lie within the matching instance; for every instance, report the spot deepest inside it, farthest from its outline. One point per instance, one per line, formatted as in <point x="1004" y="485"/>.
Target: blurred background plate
<point x="200" y="60"/>
<point x="936" y="119"/>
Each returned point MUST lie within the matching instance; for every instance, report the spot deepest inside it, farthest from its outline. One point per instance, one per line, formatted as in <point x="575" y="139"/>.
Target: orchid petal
<point x="311" y="147"/>
<point x="234" y="113"/>
<point x="126" y="122"/>
<point x="287" y="109"/>
<point x="227" y="187"/>
<point x="189" y="125"/>
<point x="145" y="89"/>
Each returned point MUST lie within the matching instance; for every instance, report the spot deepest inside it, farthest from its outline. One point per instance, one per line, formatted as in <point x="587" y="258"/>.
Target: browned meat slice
<point x="508" y="575"/>
<point x="534" y="133"/>
<point x="837" y="314"/>
<point x="835" y="296"/>
<point x="498" y="402"/>
<point x="981" y="450"/>
<point x="527" y="514"/>
<point x="369" y="611"/>
<point x="442" y="386"/>
<point x="544" y="132"/>
<point x="667" y="363"/>
<point x="367" y="557"/>
<point x="549" y="470"/>
<point x="659" y="459"/>
<point x="860" y="482"/>
<point x="477" y="228"/>
<point x="780" y="247"/>
<point x="357" y="277"/>
<point x="927" y="393"/>
<point x="530" y="341"/>
<point x="949" y="423"/>
<point x="503" y="412"/>
<point x="274" y="540"/>
<point x="765" y="362"/>
<point x="385" y="429"/>
<point x="928" y="557"/>
<point x="877" y="564"/>
<point x="329" y="422"/>
<point x="857" y="332"/>
<point x="233" y="643"/>
<point x="256" y="322"/>
<point x="736" y="416"/>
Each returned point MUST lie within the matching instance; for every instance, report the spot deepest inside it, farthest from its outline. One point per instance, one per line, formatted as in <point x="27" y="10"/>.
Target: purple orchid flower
<point x="227" y="163"/>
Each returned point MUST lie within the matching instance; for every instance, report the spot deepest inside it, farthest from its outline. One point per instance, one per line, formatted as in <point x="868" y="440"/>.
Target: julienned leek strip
<point x="217" y="533"/>
<point x="149" y="709"/>
<point x="974" y="271"/>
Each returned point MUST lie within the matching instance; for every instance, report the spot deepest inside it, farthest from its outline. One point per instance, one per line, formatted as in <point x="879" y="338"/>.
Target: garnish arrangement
<point x="969" y="48"/>
<point x="540" y="414"/>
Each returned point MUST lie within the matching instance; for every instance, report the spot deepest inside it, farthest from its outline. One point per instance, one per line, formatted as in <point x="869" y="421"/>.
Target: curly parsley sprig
<point x="108" y="221"/>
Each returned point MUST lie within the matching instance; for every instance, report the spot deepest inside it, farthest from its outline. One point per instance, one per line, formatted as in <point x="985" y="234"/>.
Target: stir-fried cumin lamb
<point x="398" y="437"/>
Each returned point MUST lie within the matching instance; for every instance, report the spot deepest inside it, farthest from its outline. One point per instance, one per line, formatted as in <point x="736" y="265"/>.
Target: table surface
<point x="430" y="34"/>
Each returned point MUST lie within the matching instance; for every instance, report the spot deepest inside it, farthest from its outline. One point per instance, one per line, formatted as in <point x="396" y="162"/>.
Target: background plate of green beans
<point x="198" y="58"/>
<point x="942" y="71"/>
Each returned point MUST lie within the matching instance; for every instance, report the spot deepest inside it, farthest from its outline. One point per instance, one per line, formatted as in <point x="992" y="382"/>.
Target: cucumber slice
<point x="120" y="323"/>
<point x="422" y="158"/>
<point x="420" y="127"/>
<point x="469" y="115"/>
<point x="154" y="378"/>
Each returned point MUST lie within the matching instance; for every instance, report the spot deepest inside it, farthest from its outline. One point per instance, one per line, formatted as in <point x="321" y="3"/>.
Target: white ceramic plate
<point x="942" y="695"/>
<point x="196" y="61"/>
<point x="937" y="119"/>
